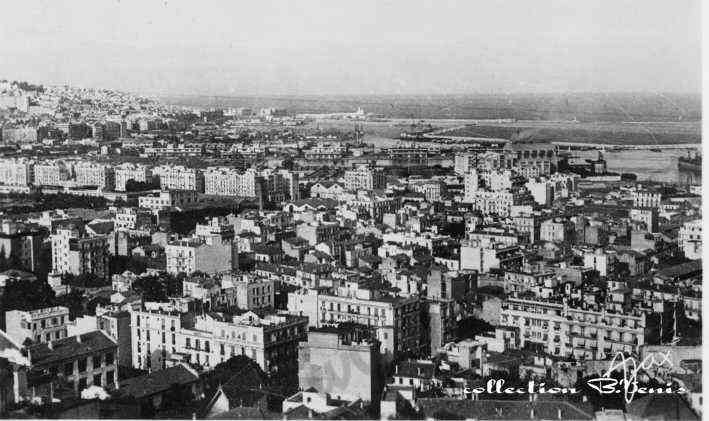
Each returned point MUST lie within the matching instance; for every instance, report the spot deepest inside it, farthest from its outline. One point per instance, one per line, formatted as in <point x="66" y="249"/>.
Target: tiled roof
<point x="414" y="369"/>
<point x="247" y="413"/>
<point x="70" y="348"/>
<point x="665" y="407"/>
<point x="158" y="381"/>
<point x="101" y="227"/>
<point x="503" y="409"/>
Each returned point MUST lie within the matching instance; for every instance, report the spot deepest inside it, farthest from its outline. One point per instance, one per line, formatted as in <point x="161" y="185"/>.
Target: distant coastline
<point x="590" y="107"/>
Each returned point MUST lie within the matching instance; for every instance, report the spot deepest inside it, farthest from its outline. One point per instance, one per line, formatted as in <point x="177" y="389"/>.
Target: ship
<point x="690" y="163"/>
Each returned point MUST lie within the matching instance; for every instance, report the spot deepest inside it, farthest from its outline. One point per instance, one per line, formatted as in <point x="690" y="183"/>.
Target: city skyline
<point x="315" y="48"/>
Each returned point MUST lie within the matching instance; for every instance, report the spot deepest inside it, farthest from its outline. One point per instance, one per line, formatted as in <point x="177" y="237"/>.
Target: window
<point x="109" y="378"/>
<point x="109" y="358"/>
<point x="221" y="349"/>
<point x="48" y="336"/>
<point x="206" y="346"/>
<point x="68" y="369"/>
<point x="54" y="321"/>
<point x="97" y="361"/>
<point x="82" y="383"/>
<point x="137" y="320"/>
<point x="188" y="344"/>
<point x="97" y="380"/>
<point x="196" y="343"/>
<point x="43" y="324"/>
<point x="173" y="339"/>
<point x="82" y="364"/>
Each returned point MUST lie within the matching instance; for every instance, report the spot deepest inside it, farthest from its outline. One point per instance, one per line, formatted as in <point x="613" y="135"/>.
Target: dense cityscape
<point x="174" y="262"/>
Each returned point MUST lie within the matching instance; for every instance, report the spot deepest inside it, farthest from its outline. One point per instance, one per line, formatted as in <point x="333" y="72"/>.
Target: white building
<point x="222" y="181"/>
<point x="601" y="260"/>
<point x="76" y="253"/>
<point x="129" y="171"/>
<point x="471" y="184"/>
<point x="164" y="337"/>
<point x="40" y="326"/>
<point x="168" y="199"/>
<point x="646" y="199"/>
<point x="16" y="172"/>
<point x="690" y="239"/>
<point x="94" y="174"/>
<point x="180" y="178"/>
<point x="193" y="254"/>
<point x="254" y="293"/>
<point x="51" y="173"/>
<point x="564" y="331"/>
<point x="364" y="178"/>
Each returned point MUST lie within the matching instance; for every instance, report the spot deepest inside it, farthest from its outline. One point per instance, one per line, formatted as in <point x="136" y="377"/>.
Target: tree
<point x="74" y="301"/>
<point x="238" y="370"/>
<point x="25" y="294"/>
<point x="468" y="328"/>
<point x="4" y="264"/>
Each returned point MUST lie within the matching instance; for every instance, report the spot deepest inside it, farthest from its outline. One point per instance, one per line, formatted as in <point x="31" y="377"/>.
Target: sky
<point x="298" y="47"/>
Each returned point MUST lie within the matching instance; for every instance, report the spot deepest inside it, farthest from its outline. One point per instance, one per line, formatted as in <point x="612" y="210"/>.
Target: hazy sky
<point x="355" y="47"/>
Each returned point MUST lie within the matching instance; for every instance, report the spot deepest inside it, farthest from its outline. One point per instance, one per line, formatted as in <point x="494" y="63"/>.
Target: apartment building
<point x="129" y="171"/>
<point x="484" y="257"/>
<point x="431" y="189"/>
<point x="77" y="253"/>
<point x="646" y="199"/>
<point x="161" y="338"/>
<point x="464" y="162"/>
<point x="222" y="181"/>
<point x="318" y="232"/>
<point x="51" y="173"/>
<point x="364" y="178"/>
<point x="495" y="202"/>
<point x="690" y="239"/>
<point x="341" y="364"/>
<point x="471" y="185"/>
<point x="83" y="360"/>
<point x="648" y="216"/>
<point x="556" y="230"/>
<point x="94" y="174"/>
<point x="132" y="218"/>
<point x="41" y="325"/>
<point x="601" y="260"/>
<point x="17" y="171"/>
<point x="189" y="255"/>
<point x="541" y="157"/>
<point x="396" y="320"/>
<point x="180" y="178"/>
<point x="561" y="330"/>
<point x="254" y="293"/>
<point x="116" y="324"/>
<point x="22" y="243"/>
<point x="167" y="199"/>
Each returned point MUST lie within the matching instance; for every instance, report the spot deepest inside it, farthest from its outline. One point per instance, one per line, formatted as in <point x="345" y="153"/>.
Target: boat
<point x="690" y="163"/>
